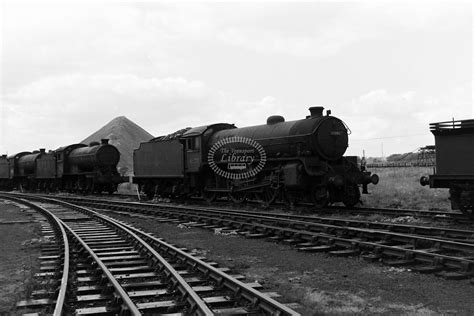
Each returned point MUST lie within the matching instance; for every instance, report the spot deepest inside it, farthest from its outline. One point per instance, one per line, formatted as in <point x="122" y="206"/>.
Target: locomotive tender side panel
<point x="4" y="168"/>
<point x="160" y="159"/>
<point x="455" y="154"/>
<point x="46" y="167"/>
<point x="454" y="163"/>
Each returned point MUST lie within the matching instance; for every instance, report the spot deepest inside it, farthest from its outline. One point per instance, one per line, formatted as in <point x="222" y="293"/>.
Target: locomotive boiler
<point x="90" y="168"/>
<point x="295" y="161"/>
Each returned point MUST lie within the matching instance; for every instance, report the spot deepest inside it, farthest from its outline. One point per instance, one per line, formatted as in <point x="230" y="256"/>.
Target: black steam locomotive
<point x="454" y="142"/>
<point x="294" y="161"/>
<point x="74" y="168"/>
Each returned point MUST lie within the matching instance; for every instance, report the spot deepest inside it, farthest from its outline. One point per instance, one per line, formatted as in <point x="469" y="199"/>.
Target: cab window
<point x="194" y="143"/>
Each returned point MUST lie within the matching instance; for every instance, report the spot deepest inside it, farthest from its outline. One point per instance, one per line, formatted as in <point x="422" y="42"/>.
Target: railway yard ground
<point x="323" y="284"/>
<point x="318" y="283"/>
<point x="20" y="241"/>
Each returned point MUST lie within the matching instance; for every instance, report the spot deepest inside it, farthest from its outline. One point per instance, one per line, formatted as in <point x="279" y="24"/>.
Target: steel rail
<point x="266" y="303"/>
<point x="351" y="243"/>
<point x="442" y="232"/>
<point x="441" y="215"/>
<point x="304" y="227"/>
<point x="281" y="220"/>
<point x="324" y="235"/>
<point x="117" y="287"/>
<point x="456" y="262"/>
<point x="253" y="296"/>
<point x="404" y="212"/>
<point x="59" y="229"/>
<point x="198" y="306"/>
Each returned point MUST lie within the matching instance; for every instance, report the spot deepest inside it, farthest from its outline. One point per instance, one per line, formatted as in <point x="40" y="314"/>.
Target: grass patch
<point x="400" y="188"/>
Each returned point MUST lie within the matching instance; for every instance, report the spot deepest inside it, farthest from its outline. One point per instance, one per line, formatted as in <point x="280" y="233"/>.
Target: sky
<point x="387" y="69"/>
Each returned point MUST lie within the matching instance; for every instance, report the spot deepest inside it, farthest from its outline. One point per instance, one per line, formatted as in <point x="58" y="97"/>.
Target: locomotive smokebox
<point x="316" y="111"/>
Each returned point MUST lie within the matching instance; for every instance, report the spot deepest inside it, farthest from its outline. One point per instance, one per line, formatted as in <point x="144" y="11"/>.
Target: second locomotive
<point x="294" y="161"/>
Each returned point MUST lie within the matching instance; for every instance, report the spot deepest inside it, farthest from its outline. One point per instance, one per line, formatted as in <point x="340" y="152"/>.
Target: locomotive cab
<point x="194" y="139"/>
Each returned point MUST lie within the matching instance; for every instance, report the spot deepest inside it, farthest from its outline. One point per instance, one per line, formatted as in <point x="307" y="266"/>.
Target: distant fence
<point x="399" y="164"/>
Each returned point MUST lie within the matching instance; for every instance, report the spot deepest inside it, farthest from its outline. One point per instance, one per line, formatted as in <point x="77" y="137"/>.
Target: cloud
<point x="69" y="69"/>
<point x="66" y="108"/>
<point x="70" y="106"/>
<point x="399" y="121"/>
<point x="353" y="23"/>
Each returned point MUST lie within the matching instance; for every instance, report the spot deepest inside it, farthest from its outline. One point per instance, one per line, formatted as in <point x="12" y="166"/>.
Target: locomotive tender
<point x="454" y="142"/>
<point x="294" y="161"/>
<point x="76" y="167"/>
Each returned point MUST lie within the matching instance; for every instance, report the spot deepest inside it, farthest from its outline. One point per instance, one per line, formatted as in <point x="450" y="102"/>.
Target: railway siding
<point x="55" y="262"/>
<point x="119" y="268"/>
<point x="448" y="258"/>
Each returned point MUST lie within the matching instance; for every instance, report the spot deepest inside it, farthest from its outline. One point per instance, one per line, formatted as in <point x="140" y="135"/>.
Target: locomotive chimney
<point x="316" y="111"/>
<point x="4" y="156"/>
<point x="42" y="150"/>
<point x="104" y="141"/>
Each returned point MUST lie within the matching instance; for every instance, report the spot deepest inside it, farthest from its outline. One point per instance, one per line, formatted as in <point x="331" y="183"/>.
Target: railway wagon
<point x="296" y="161"/>
<point x="90" y="168"/>
<point x="4" y="173"/>
<point x="36" y="171"/>
<point x="454" y="141"/>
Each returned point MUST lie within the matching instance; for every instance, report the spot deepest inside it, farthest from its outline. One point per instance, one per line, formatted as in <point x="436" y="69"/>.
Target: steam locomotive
<point x="294" y="161"/>
<point x="454" y="163"/>
<point x="74" y="168"/>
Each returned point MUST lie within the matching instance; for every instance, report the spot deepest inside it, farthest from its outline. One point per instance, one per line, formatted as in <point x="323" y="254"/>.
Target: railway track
<point x="108" y="267"/>
<point x="330" y="210"/>
<point x="359" y="210"/>
<point x="286" y="219"/>
<point x="447" y="252"/>
<point x="431" y="214"/>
